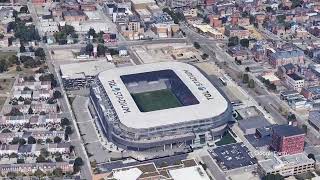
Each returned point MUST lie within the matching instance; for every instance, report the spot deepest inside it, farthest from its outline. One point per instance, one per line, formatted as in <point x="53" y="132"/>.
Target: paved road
<point x="213" y="168"/>
<point x="268" y="100"/>
<point x="86" y="172"/>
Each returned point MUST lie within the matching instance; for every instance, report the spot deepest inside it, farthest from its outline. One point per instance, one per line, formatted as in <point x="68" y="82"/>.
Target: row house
<point x="25" y="94"/>
<point x="14" y="120"/>
<point x="88" y="7"/>
<point x="311" y="93"/>
<point x="39" y="134"/>
<point x="35" y="149"/>
<point x="32" y="119"/>
<point x="287" y="69"/>
<point x="37" y="108"/>
<point x="237" y="31"/>
<point x="239" y="53"/>
<point x="8" y="149"/>
<point x="280" y="57"/>
<point x="42" y="94"/>
<point x="74" y="15"/>
<point x="31" y="168"/>
<point x="36" y="85"/>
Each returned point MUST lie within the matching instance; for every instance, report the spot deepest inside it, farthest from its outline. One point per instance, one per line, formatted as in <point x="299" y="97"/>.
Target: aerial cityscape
<point x="160" y="89"/>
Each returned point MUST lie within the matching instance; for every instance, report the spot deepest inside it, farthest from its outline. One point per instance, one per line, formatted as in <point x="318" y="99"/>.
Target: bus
<point x="223" y="80"/>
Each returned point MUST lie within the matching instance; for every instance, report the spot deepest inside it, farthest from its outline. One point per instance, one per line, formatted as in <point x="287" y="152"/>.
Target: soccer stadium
<point x="159" y="105"/>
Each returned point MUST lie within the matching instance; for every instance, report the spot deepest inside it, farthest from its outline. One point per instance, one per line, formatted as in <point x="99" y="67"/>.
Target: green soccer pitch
<point x="156" y="100"/>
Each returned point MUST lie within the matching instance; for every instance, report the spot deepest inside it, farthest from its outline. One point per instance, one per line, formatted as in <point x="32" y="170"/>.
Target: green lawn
<point x="156" y="100"/>
<point x="226" y="139"/>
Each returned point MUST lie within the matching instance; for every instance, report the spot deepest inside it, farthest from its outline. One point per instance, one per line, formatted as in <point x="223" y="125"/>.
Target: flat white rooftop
<point x="78" y="70"/>
<point x="211" y="102"/>
<point x="194" y="173"/>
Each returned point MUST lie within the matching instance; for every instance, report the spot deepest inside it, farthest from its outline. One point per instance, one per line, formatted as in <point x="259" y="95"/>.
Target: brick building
<point x="287" y="139"/>
<point x="74" y="15"/>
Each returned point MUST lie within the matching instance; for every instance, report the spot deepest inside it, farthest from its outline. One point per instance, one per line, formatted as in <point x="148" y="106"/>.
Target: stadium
<point x="160" y="105"/>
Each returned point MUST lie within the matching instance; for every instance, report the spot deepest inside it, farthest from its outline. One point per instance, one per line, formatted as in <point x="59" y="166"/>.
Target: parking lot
<point x="232" y="156"/>
<point x="95" y="149"/>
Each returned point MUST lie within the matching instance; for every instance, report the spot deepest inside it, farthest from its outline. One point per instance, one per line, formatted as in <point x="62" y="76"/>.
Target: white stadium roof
<point x="201" y="88"/>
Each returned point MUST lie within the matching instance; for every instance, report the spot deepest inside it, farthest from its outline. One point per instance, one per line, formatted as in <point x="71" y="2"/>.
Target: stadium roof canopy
<point x="211" y="102"/>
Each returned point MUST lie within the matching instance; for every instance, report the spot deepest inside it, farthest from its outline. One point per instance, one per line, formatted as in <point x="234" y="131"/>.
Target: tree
<point x="273" y="177"/>
<point x="57" y="172"/>
<point x="3" y="65"/>
<point x="31" y="140"/>
<point x="59" y="158"/>
<point x="13" y="155"/>
<point x="68" y="130"/>
<point x="15" y="112"/>
<point x="22" y="141"/>
<point x="57" y="139"/>
<point x="247" y="69"/>
<point x="89" y="49"/>
<point x="39" y="141"/>
<point x="24" y="9"/>
<point x="39" y="173"/>
<point x="20" y="161"/>
<point x="204" y="56"/>
<point x="6" y="131"/>
<point x="92" y="33"/>
<point x="78" y="161"/>
<point x="41" y="159"/>
<point x="22" y="48"/>
<point x="30" y="110"/>
<point x="233" y="41"/>
<point x="44" y="152"/>
<point x="18" y="68"/>
<point x="244" y="43"/>
<point x="11" y="175"/>
<point x="311" y="156"/>
<point x="251" y="83"/>
<point x="101" y="50"/>
<point x="272" y="87"/>
<point x="305" y="128"/>
<point x="245" y="78"/>
<point x="196" y="45"/>
<point x="296" y="3"/>
<point x="57" y="94"/>
<point x="48" y="140"/>
<point x="40" y="53"/>
<point x="65" y="122"/>
<point x="15" y="140"/>
<point x="291" y="117"/>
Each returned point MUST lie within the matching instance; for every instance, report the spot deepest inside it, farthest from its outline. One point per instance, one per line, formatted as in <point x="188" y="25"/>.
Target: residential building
<point x="36" y="85"/>
<point x="74" y="15"/>
<point x="294" y="81"/>
<point x="288" y="165"/>
<point x="314" y="119"/>
<point x="8" y="149"/>
<point x="311" y="93"/>
<point x="180" y="3"/>
<point x="283" y="57"/>
<point x="30" y="168"/>
<point x="237" y="31"/>
<point x="287" y="139"/>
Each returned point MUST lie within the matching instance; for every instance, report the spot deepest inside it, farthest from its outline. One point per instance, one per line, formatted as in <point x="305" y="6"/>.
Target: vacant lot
<point x="6" y="85"/>
<point x="156" y="100"/>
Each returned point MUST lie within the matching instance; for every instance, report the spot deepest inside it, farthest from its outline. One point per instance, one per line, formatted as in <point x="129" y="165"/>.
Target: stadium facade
<point x="159" y="105"/>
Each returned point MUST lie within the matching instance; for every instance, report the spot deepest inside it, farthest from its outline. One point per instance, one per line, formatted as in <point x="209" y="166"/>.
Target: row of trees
<point x="65" y="31"/>
<point x="176" y="16"/>
<point x="234" y="41"/>
<point x="247" y="80"/>
<point x="32" y="140"/>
